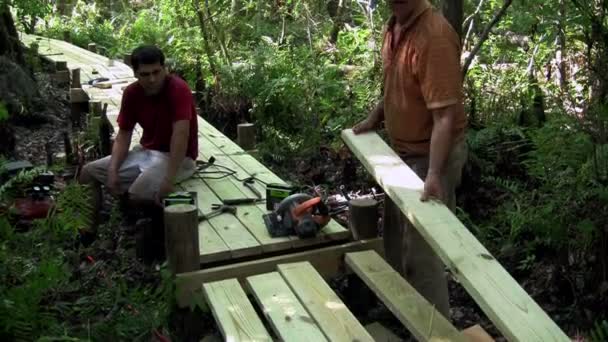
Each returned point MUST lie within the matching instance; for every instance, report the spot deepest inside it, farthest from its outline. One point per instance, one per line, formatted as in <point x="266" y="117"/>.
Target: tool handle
<point x="238" y="201"/>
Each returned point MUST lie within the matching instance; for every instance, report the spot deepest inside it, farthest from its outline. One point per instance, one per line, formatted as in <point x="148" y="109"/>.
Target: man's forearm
<point x="377" y="115"/>
<point x="120" y="150"/>
<point x="177" y="153"/>
<point x="441" y="140"/>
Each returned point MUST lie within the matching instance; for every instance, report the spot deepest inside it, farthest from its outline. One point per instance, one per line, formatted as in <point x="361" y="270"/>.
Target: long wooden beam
<point x="420" y="317"/>
<point x="503" y="300"/>
<point x="328" y="261"/>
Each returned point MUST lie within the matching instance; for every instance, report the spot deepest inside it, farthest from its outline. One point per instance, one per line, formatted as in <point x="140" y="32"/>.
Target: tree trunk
<point x="561" y="50"/>
<point x="452" y="10"/>
<point x="9" y="39"/>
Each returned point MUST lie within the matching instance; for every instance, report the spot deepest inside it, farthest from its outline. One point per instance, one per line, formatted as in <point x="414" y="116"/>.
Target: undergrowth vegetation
<point x="535" y="188"/>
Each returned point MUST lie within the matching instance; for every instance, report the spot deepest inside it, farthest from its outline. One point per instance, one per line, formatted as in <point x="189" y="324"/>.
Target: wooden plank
<point x="283" y="310"/>
<point x="208" y="147"/>
<point x="249" y="214"/>
<point x="328" y="261"/>
<point x="233" y="312"/>
<point x="211" y="245"/>
<point x="414" y="311"/>
<point x="381" y="334"/>
<point x="330" y="313"/>
<point x="236" y="236"/>
<point x="503" y="300"/>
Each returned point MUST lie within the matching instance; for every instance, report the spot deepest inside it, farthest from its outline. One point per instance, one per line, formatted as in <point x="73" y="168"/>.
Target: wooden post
<point x="95" y="108"/>
<point x="92" y="47"/>
<point x="61" y="65"/>
<point x="48" y="147"/>
<point x="105" y="132"/>
<point x="363" y="218"/>
<point x="181" y="238"/>
<point x="246" y="136"/>
<point x="76" y="78"/>
<point x="79" y="103"/>
<point x="67" y="146"/>
<point x="126" y="58"/>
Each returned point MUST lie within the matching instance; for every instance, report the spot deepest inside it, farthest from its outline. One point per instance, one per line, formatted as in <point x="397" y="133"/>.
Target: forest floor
<point x="113" y="254"/>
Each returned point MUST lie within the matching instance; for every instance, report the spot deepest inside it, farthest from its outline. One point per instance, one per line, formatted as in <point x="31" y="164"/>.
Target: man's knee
<point x="88" y="172"/>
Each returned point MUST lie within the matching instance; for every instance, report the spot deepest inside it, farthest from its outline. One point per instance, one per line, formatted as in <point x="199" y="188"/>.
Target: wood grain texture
<point x="333" y="317"/>
<point x="416" y="313"/>
<point x="181" y="238"/>
<point x="233" y="233"/>
<point x="287" y="316"/>
<point x="233" y="312"/>
<point x="503" y="300"/>
<point x="328" y="261"/>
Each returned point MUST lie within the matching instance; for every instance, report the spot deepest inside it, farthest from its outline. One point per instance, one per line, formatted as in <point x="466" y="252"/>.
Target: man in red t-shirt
<point x="163" y="106"/>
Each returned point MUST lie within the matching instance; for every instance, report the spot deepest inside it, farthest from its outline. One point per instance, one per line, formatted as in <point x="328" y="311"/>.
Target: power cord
<point x="202" y="173"/>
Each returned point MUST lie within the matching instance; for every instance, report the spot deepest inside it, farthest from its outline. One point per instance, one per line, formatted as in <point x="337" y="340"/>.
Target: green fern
<point x="3" y="112"/>
<point x="599" y="332"/>
<point x="72" y="212"/>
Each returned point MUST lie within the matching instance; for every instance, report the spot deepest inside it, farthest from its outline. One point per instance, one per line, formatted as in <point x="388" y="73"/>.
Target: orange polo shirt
<point x="421" y="73"/>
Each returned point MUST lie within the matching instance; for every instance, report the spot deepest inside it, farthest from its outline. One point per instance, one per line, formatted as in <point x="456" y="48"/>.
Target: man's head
<point x="148" y="64"/>
<point x="402" y="9"/>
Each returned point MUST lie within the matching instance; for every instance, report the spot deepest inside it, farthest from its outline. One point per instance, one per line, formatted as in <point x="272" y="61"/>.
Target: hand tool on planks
<point x="218" y="209"/>
<point x="249" y="183"/>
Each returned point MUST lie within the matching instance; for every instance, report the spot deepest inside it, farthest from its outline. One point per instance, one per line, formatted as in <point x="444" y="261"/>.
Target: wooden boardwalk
<point x="223" y="237"/>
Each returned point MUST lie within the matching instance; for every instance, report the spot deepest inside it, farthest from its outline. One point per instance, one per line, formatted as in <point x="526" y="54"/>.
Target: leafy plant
<point x="599" y="332"/>
<point x="3" y="112"/>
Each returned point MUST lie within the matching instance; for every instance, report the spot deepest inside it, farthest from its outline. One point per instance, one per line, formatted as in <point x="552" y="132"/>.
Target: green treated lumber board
<point x="233" y="312"/>
<point x="249" y="214"/>
<point x="332" y="232"/>
<point x="288" y="318"/>
<point x="516" y="315"/>
<point x="414" y="311"/>
<point x="333" y="317"/>
<point x="328" y="261"/>
<point x="234" y="234"/>
<point x="212" y="247"/>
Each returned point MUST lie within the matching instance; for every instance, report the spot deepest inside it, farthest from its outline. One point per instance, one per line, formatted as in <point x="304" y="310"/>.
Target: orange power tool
<point x="297" y="214"/>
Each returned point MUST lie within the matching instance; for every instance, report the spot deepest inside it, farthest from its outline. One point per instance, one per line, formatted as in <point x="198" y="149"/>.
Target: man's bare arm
<point x="120" y="149"/>
<point x="441" y="138"/>
<point x="179" y="145"/>
<point x="373" y="120"/>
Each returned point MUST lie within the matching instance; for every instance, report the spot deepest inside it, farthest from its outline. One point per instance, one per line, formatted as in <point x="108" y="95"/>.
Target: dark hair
<point x="146" y="54"/>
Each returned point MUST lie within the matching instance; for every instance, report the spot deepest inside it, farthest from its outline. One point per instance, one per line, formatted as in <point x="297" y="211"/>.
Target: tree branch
<point x="484" y="36"/>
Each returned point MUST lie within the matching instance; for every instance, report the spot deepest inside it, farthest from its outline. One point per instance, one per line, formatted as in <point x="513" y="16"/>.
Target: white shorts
<point x="142" y="172"/>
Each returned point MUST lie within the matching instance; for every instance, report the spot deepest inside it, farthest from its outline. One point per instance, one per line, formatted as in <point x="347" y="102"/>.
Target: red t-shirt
<point x="156" y="114"/>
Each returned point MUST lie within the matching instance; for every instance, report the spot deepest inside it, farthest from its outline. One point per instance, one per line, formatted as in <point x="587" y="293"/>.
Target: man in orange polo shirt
<point x="424" y="116"/>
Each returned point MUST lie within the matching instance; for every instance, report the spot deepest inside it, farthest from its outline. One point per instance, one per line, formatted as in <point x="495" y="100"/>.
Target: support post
<point x="246" y="136"/>
<point x="95" y="108"/>
<point x="181" y="238"/>
<point x="79" y="103"/>
<point x="61" y="65"/>
<point x="67" y="146"/>
<point x="126" y="58"/>
<point x="105" y="132"/>
<point x="363" y="220"/>
<point x="92" y="47"/>
<point x="76" y="78"/>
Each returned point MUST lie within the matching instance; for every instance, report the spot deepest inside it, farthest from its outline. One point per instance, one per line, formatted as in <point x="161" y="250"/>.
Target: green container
<point x="275" y="193"/>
